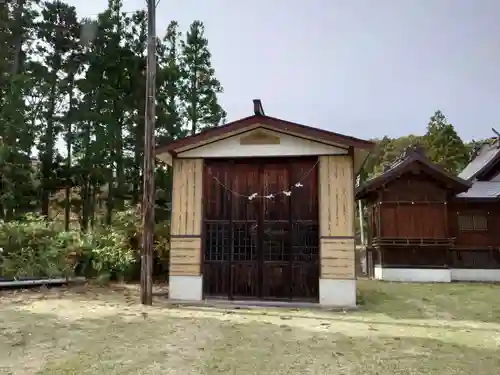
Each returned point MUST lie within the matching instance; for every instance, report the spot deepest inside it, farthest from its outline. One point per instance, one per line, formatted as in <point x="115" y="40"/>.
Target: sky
<point x="364" y="68"/>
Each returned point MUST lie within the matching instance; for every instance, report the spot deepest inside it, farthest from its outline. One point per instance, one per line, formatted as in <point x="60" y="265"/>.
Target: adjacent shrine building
<point x="263" y="208"/>
<point x="427" y="225"/>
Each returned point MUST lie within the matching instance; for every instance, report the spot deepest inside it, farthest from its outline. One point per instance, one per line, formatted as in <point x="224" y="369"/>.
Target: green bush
<point x="34" y="247"/>
<point x="129" y="223"/>
<point x="162" y="248"/>
<point x="105" y="253"/>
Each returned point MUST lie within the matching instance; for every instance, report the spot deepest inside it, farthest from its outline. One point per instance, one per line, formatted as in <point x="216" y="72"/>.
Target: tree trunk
<point x="93" y="204"/>
<point x="194" y="109"/>
<point x="87" y="180"/>
<point x="69" y="138"/>
<point x="18" y="37"/>
<point x="85" y="193"/>
<point x="120" y="173"/>
<point x="109" y="199"/>
<point x="48" y="157"/>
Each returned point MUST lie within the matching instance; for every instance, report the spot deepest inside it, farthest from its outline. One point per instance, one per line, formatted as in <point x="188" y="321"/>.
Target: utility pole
<point x="148" y="219"/>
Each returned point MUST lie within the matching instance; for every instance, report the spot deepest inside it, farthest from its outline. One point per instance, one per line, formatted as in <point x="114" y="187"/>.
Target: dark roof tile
<point x="487" y="154"/>
<point x="482" y="190"/>
<point x="399" y="166"/>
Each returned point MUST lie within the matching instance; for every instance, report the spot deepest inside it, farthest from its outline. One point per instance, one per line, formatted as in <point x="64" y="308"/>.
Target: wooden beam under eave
<point x="165" y="157"/>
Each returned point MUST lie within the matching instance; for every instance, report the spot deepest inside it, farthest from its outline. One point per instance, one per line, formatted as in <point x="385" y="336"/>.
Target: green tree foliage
<point x="387" y="150"/>
<point x="55" y="34"/>
<point x="17" y="190"/>
<point x="200" y="86"/>
<point x="72" y="101"/>
<point x="443" y="144"/>
<point x="35" y="247"/>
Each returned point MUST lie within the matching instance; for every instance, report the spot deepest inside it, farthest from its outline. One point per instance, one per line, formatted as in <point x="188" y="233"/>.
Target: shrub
<point x="105" y="253"/>
<point x="162" y="250"/>
<point x="34" y="247"/>
<point x="129" y="223"/>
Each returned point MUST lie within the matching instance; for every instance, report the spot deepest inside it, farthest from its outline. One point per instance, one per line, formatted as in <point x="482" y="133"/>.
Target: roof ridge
<point x="411" y="156"/>
<point x="278" y="124"/>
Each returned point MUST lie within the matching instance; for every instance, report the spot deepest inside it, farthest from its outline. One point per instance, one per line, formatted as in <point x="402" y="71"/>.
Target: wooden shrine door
<point x="261" y="237"/>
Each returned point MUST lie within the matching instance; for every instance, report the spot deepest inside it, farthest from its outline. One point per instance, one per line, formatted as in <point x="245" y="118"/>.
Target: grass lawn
<point x="438" y="329"/>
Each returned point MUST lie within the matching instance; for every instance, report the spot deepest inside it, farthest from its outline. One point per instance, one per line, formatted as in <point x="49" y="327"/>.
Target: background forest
<point x="72" y="98"/>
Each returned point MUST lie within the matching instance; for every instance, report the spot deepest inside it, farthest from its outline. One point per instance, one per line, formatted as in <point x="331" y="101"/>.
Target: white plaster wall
<point x="185" y="288"/>
<point x="289" y="146"/>
<point x="421" y="275"/>
<point x="461" y="274"/>
<point x="337" y="293"/>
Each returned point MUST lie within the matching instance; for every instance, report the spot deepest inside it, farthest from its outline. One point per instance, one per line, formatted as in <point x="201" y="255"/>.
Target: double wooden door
<point x="261" y="230"/>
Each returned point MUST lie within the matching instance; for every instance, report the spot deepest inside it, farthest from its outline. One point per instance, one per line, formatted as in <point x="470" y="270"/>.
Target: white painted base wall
<point x="334" y="293"/>
<point x="462" y="274"/>
<point x="337" y="293"/>
<point x="422" y="275"/>
<point x="410" y="275"/>
<point x="185" y="288"/>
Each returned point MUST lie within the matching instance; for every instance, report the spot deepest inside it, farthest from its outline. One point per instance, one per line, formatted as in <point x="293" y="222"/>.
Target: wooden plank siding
<point x="478" y="249"/>
<point x="413" y="220"/>
<point x="186" y="197"/>
<point x="405" y="202"/>
<point x="185" y="256"/>
<point x="336" y="212"/>
<point x="337" y="258"/>
<point x="475" y="238"/>
<point x="185" y="243"/>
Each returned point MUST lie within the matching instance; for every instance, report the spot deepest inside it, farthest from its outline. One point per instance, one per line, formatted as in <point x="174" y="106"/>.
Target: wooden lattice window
<point x="472" y="222"/>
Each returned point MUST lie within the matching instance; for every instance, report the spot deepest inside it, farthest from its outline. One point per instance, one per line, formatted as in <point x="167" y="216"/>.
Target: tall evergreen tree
<point x="200" y="86"/>
<point x="443" y="144"/>
<point x="54" y="31"/>
<point x="72" y="97"/>
<point x="170" y="123"/>
<point x="135" y="40"/>
<point x="72" y="67"/>
<point x="16" y="136"/>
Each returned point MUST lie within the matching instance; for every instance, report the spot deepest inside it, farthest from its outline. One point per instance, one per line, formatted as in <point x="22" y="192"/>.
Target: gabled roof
<point x="482" y="190"/>
<point x="487" y="157"/>
<point x="409" y="158"/>
<point x="260" y="118"/>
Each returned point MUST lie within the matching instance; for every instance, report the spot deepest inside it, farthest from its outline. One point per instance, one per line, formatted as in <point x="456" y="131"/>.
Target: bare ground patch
<point x="400" y="330"/>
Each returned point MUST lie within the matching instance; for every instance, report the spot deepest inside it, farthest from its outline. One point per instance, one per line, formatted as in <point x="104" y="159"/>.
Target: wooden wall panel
<point x="475" y="239"/>
<point x="336" y="215"/>
<point x="185" y="256"/>
<point x="185" y="243"/>
<point x="187" y="197"/>
<point x="337" y="258"/>
<point x="336" y="188"/>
